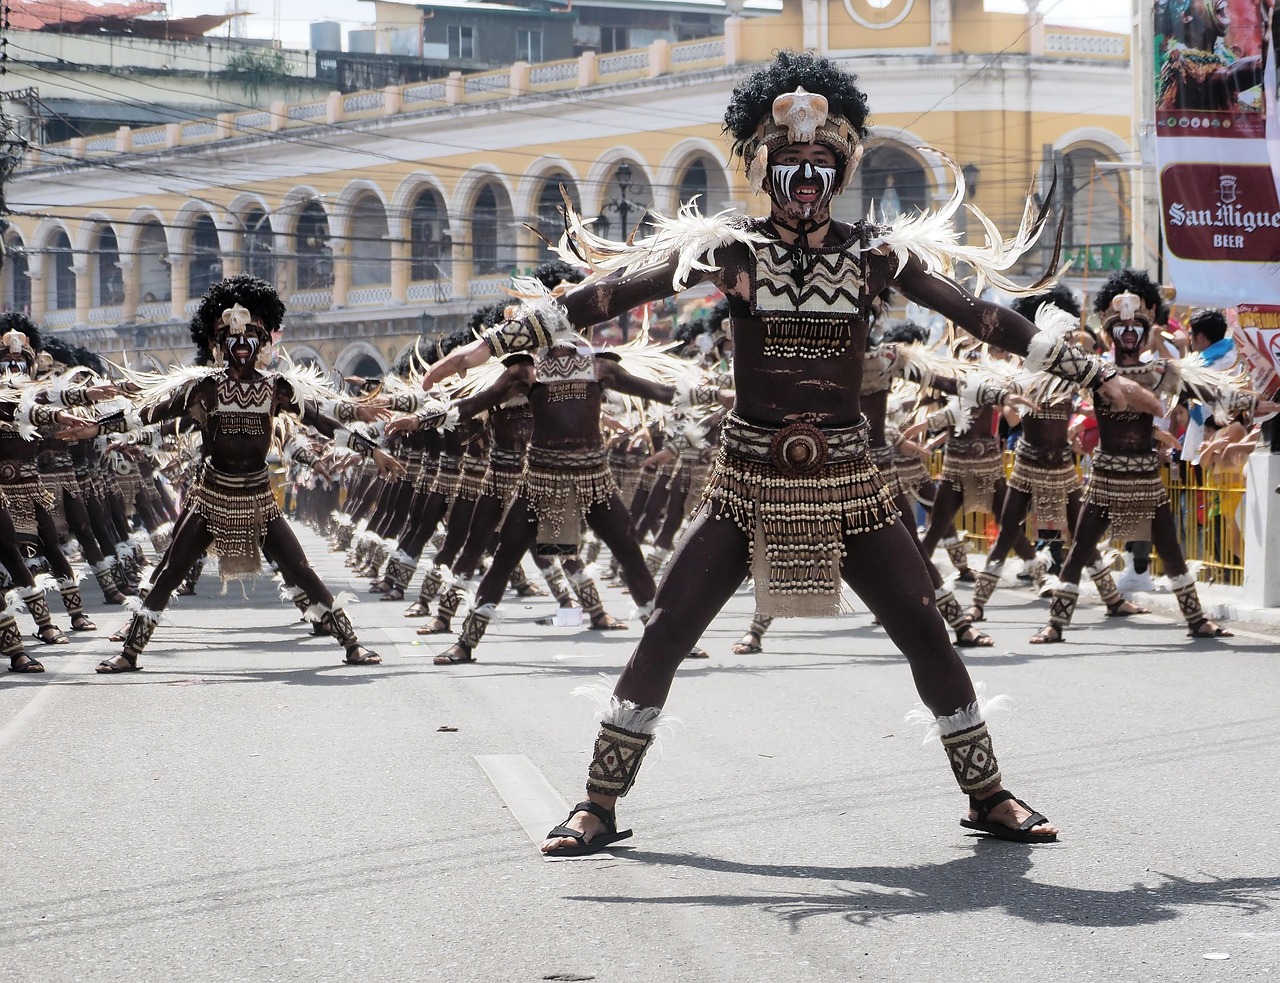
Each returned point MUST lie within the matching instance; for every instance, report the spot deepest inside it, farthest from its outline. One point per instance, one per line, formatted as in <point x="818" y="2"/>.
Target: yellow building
<point x="384" y="214"/>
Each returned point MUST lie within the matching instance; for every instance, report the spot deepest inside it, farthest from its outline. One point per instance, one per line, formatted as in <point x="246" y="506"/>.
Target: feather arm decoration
<point x="308" y="383"/>
<point x="1213" y="387"/>
<point x="156" y="388"/>
<point x="932" y="238"/>
<point x="690" y="240"/>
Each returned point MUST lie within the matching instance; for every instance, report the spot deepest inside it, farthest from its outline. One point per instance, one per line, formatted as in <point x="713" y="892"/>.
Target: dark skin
<point x="1123" y="432"/>
<point x="235" y="453"/>
<point x="711" y="561"/>
<point x="566" y="425"/>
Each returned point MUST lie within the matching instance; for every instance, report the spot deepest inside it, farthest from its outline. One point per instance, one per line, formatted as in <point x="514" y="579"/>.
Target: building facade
<point x="393" y="212"/>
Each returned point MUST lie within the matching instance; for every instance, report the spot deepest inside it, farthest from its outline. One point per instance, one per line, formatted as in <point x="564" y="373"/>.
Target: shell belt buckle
<point x="798" y="450"/>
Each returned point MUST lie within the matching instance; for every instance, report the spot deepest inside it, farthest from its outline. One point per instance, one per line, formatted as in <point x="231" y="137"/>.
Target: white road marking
<point x="536" y="806"/>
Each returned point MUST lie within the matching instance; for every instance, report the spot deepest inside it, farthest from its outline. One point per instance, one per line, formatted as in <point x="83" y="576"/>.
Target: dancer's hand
<point x="388" y="466"/>
<point x="1125" y="394"/>
<point x="372" y="410"/>
<point x="402" y="425"/>
<point x="97" y="394"/>
<point x="75" y="428"/>
<point x="662" y="457"/>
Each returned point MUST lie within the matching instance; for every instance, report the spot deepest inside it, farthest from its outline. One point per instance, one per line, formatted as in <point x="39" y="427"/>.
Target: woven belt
<point x="797" y="448"/>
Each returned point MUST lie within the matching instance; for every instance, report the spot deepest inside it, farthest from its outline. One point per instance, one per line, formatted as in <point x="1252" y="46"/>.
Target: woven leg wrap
<point x="986" y="585"/>
<point x="615" y="760"/>
<point x="588" y="596"/>
<point x="957" y="553"/>
<point x="1037" y="570"/>
<point x="38" y="607"/>
<point x="592" y="552"/>
<point x="301" y="601"/>
<point x="656" y="558"/>
<point x="558" y="584"/>
<point x="10" y="637"/>
<point x="431" y="582"/>
<point x="105" y="575"/>
<point x="1106" y="584"/>
<point x="71" y="598"/>
<point x="450" y="601"/>
<point x="519" y="580"/>
<point x="973" y="761"/>
<point x="1184" y="589"/>
<point x="141" y="628"/>
<point x="950" y="608"/>
<point x="1062" y="606"/>
<point x="759" y="624"/>
<point x="400" y="573"/>
<point x="336" y="622"/>
<point x="474" y="625"/>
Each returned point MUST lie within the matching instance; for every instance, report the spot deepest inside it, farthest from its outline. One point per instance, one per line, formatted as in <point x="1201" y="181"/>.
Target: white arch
<point x="291" y="206"/>
<point x="86" y="230"/>
<point x="136" y="222"/>
<point x="299" y="352"/>
<point x="46" y="230"/>
<point x="600" y="177"/>
<point x="468" y="188"/>
<point x="525" y="201"/>
<point x="667" y="186"/>
<point x="1104" y="139"/>
<point x="401" y="209"/>
<point x="184" y="224"/>
<point x="940" y="180"/>
<point x="352" y="354"/>
<point x="347" y="197"/>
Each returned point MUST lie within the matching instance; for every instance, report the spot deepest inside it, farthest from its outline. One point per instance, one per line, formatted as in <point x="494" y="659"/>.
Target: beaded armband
<point x="297" y="451"/>
<point x="113" y="423"/>
<point x="1067" y="360"/>
<point x="950" y="417"/>
<point x="1235" y="404"/>
<point x="43" y="415"/>
<point x="354" y="441"/>
<point x="404" y="402"/>
<point x="437" y="416"/>
<point x="342" y="410"/>
<point x="522" y="333"/>
<point x="73" y="396"/>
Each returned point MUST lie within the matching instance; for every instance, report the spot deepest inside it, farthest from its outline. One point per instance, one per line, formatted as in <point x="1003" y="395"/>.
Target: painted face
<point x="242" y="349"/>
<point x="14" y="363"/>
<point x="802" y="179"/>
<point x="1129" y="324"/>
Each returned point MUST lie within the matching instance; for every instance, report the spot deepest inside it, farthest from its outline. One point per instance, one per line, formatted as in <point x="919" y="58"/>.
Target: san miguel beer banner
<point x="1219" y="203"/>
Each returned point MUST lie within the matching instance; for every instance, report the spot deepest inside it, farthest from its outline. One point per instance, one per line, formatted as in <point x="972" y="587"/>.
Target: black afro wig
<point x="752" y="99"/>
<point x="250" y="292"/>
<point x="17" y="321"/>
<point x="1060" y="297"/>
<point x="1134" y="282"/>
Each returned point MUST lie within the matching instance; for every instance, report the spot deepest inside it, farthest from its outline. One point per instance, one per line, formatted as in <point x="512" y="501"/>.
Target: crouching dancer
<point x="793" y="495"/>
<point x="230" y="509"/>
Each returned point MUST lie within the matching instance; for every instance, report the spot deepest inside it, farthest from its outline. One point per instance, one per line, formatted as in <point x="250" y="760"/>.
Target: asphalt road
<point x="250" y="809"/>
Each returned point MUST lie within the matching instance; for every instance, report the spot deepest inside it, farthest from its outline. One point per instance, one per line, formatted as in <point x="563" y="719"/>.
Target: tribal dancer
<point x="1125" y="493"/>
<point x="230" y="508"/>
<point x="1044" y="469"/>
<point x="566" y="480"/>
<point x="793" y="495"/>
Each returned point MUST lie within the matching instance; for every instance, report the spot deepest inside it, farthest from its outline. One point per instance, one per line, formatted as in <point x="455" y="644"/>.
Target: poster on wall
<point x="1220" y="209"/>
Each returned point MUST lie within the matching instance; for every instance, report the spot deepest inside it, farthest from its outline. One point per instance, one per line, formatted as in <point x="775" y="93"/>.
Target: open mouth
<point x="1129" y="336"/>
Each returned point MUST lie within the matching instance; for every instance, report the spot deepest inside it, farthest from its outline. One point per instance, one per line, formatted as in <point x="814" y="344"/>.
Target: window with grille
<point x="528" y="45"/>
<point x="462" y="42"/>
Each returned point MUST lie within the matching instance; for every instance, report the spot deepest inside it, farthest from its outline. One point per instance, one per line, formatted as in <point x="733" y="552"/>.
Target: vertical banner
<point x="1218" y="193"/>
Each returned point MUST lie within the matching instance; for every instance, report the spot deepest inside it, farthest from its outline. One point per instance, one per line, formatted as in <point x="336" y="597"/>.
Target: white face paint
<point x="802" y="185"/>
<point x="242" y="358"/>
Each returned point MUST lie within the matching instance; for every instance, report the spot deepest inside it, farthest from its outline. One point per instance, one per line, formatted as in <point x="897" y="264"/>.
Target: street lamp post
<point x="623" y="207"/>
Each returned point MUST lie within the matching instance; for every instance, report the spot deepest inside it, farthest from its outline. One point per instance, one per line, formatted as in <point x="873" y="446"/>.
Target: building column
<point x="340" y="257"/>
<point x="129" y="275"/>
<point x="179" y="266"/>
<point x="460" y="258"/>
<point x="401" y="260"/>
<point x="84" y="291"/>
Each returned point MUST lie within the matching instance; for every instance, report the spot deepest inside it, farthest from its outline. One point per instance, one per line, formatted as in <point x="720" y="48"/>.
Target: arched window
<point x="1094" y="219"/>
<point x="705" y="178"/>
<point x="894" y="181"/>
<point x="17" y="283"/>
<point x="62" y="284"/>
<point x="204" y="259"/>
<point x="428" y="249"/>
<point x="311" y="243"/>
<point x="370" y="248"/>
<point x="108" y="283"/>
<point x="259" y="254"/>
<point x="484" y="232"/>
<point x="154" y="282"/>
<point x="550" y="217"/>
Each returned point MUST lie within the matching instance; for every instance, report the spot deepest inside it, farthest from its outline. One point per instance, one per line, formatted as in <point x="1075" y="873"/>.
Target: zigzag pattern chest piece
<point x="810" y="316"/>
